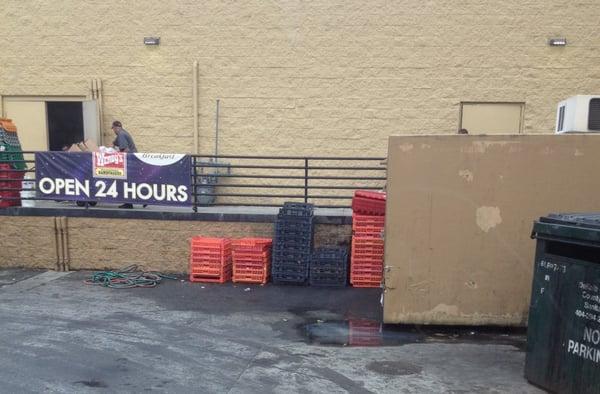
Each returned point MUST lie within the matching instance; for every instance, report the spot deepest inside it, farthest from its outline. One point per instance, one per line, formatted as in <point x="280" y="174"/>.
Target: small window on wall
<point x="492" y="118"/>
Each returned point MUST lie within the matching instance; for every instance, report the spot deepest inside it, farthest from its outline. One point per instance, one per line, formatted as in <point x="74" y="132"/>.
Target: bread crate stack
<point x="12" y="164"/>
<point x="292" y="247"/>
<point x="368" y="222"/>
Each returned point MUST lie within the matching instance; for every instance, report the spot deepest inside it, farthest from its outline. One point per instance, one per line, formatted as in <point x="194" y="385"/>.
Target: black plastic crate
<point x="329" y="263"/>
<point x="295" y="218"/>
<point x="332" y="282"/>
<point x="293" y="244"/>
<point x="328" y="270"/>
<point x="289" y="280"/>
<point x="338" y="279"/>
<point x="292" y="233"/>
<point x="291" y="268"/>
<point x="290" y="261"/>
<point x="292" y="204"/>
<point x="330" y="254"/>
<point x="297" y="209"/>
<point x="290" y="273"/>
<point x="306" y="225"/>
<point x="291" y="254"/>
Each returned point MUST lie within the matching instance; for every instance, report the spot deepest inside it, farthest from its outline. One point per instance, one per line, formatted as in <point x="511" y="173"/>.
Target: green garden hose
<point x="126" y="278"/>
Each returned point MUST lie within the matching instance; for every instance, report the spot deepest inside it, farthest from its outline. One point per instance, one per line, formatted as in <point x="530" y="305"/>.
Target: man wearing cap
<point x="123" y="142"/>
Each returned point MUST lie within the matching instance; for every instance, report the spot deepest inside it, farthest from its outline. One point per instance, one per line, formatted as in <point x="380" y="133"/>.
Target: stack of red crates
<point x="10" y="183"/>
<point x="210" y="260"/>
<point x="251" y="260"/>
<point x="368" y="220"/>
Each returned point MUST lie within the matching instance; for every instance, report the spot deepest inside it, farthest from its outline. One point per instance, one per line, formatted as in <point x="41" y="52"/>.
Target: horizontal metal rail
<point x="272" y="167"/>
<point x="259" y="176"/>
<point x="333" y="158"/>
<point x="242" y="185"/>
<point x="276" y="195"/>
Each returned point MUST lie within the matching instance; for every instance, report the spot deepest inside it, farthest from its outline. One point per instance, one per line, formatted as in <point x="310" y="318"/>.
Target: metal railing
<point x="269" y="181"/>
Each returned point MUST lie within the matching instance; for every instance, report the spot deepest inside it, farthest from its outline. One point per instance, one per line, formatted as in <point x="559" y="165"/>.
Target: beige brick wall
<point x="27" y="242"/>
<point x="320" y="77"/>
<point x="114" y="243"/>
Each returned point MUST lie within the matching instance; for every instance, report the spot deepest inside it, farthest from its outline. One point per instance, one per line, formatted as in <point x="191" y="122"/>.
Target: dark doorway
<point x="65" y="123"/>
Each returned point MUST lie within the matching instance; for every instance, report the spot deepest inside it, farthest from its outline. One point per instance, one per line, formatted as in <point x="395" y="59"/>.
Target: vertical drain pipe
<point x="62" y="242"/>
<point x="56" y="247"/>
<point x="217" y="132"/>
<point x="67" y="254"/>
<point x="195" y="99"/>
<point x="100" y="113"/>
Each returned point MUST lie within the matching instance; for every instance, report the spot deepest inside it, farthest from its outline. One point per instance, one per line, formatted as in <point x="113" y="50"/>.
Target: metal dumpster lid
<point x="588" y="220"/>
<point x="578" y="228"/>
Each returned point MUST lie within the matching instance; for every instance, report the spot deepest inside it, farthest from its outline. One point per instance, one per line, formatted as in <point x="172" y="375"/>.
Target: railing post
<point x="306" y="180"/>
<point x="194" y="188"/>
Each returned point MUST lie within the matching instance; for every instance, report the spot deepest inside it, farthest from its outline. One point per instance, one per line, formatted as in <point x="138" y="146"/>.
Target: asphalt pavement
<point x="60" y="335"/>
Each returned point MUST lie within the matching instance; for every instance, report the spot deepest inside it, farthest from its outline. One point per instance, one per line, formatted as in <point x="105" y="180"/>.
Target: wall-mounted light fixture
<point x="151" y="40"/>
<point x="557" y="42"/>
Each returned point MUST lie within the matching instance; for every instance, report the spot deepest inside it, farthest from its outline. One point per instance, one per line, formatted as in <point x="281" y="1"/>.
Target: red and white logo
<point x="110" y="165"/>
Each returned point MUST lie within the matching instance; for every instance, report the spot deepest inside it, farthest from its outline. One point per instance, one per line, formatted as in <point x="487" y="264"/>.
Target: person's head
<point x="116" y="126"/>
<point x="463" y="131"/>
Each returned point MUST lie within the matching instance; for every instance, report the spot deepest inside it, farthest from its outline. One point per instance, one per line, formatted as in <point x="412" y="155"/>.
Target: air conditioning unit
<point x="578" y="114"/>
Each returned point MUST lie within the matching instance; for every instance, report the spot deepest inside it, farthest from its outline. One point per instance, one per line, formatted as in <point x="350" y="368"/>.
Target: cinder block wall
<point x="114" y="243"/>
<point x="320" y="77"/>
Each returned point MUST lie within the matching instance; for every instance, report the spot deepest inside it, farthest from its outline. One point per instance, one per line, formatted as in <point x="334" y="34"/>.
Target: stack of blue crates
<point x="329" y="267"/>
<point x="292" y="244"/>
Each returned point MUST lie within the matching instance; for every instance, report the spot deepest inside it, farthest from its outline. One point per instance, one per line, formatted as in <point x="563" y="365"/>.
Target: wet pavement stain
<point x="92" y="383"/>
<point x="366" y="332"/>
<point x="394" y="368"/>
<point x="360" y="332"/>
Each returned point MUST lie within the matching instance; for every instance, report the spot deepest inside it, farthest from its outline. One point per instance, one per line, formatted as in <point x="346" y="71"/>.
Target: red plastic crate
<point x="211" y="243"/>
<point x="220" y="275"/>
<point x="359" y="221"/>
<point x="251" y="278"/>
<point x="365" y="283"/>
<point x="367" y="258"/>
<point x="366" y="249"/>
<point x="366" y="277"/>
<point x="372" y="195"/>
<point x="237" y="255"/>
<point x="209" y="279"/>
<point x="361" y="266"/>
<point x="10" y="198"/>
<point x="369" y="202"/>
<point x="251" y="264"/>
<point x="216" y="261"/>
<point x="368" y="241"/>
<point x="208" y="265"/>
<point x="252" y="244"/>
<point x="210" y="260"/>
<point x="371" y="232"/>
<point x="251" y="274"/>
